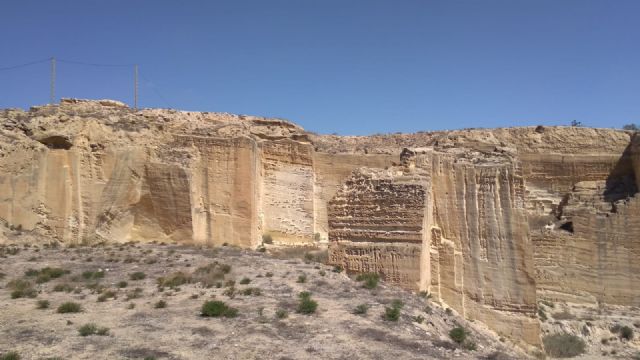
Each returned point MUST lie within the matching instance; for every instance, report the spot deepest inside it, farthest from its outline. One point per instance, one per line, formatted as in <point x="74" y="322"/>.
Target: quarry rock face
<point x="486" y="221"/>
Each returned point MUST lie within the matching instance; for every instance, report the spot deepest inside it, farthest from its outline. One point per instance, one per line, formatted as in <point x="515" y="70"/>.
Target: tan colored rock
<point x="487" y="220"/>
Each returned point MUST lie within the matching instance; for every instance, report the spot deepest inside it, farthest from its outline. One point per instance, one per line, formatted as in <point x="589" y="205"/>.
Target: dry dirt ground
<point x="267" y="325"/>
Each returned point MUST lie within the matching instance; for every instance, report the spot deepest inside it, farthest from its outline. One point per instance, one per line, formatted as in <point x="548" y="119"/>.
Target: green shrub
<point x="92" y="275"/>
<point x="419" y="319"/>
<point x="69" y="307"/>
<point x="252" y="291"/>
<point x="21" y="289"/>
<point x="134" y="294"/>
<point x="218" y="309"/>
<point x="306" y="305"/>
<point x="122" y="284"/>
<point x="210" y="274"/>
<point x="87" y="329"/>
<point x="160" y="304"/>
<point x="138" y="275"/>
<point x="268" y="274"/>
<point x="92" y="329"/>
<point x="173" y="280"/>
<point x="458" y="334"/>
<point x="563" y="345"/>
<point x="626" y="333"/>
<point x="11" y="355"/>
<point x="337" y="269"/>
<point x="108" y="294"/>
<point x="48" y="273"/>
<point x="282" y="313"/>
<point x="470" y="345"/>
<point x="302" y="279"/>
<point x="31" y="272"/>
<point x="245" y="281"/>
<point x="43" y="304"/>
<point x="63" y="287"/>
<point x="542" y="315"/>
<point x="361" y="309"/>
<point x="370" y="280"/>
<point x="392" y="313"/>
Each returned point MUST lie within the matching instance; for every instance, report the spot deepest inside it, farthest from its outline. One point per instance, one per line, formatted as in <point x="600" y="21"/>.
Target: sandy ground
<point x="139" y="330"/>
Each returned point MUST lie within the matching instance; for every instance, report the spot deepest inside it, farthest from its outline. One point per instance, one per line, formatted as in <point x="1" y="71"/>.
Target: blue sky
<point x="351" y="67"/>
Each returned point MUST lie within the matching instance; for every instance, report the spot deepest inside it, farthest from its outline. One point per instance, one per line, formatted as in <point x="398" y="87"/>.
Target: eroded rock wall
<point x="443" y="224"/>
<point x="481" y="254"/>
<point x="86" y="171"/>
<point x="378" y="223"/>
<point x="288" y="191"/>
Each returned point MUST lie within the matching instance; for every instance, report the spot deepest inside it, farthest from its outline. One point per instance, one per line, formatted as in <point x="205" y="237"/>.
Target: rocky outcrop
<point x="86" y="171"/>
<point x="452" y="224"/>
<point x="487" y="221"/>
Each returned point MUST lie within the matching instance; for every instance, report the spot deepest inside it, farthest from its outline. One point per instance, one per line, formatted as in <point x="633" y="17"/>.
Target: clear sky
<point x="345" y="66"/>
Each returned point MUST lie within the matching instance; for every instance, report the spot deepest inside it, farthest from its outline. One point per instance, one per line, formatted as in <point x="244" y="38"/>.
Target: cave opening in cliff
<point x="56" y="142"/>
<point x="568" y="226"/>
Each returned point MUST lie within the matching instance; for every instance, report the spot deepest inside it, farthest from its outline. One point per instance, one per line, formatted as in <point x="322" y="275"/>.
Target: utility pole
<point x="53" y="81"/>
<point x="135" y="87"/>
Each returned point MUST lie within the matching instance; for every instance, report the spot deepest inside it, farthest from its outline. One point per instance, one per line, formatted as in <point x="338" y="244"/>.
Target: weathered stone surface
<point x="444" y="224"/>
<point x="486" y="220"/>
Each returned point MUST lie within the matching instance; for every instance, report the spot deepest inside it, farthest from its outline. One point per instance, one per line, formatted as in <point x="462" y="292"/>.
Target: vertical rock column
<point x="481" y="246"/>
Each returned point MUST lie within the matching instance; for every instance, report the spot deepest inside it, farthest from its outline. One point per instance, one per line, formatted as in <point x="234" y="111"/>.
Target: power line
<point x="24" y="65"/>
<point x="156" y="91"/>
<point x="53" y="61"/>
<point x="94" y="64"/>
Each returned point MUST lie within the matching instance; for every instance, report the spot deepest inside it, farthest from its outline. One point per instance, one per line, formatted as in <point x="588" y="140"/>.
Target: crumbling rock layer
<point x="486" y="221"/>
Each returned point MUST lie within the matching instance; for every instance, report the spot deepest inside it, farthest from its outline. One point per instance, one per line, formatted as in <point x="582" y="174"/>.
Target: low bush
<point x="302" y="279"/>
<point x="542" y="315"/>
<point x="21" y="289"/>
<point x="361" y="309"/>
<point x="122" y="284"/>
<point x="69" y="307"/>
<point x="392" y="313"/>
<point x="245" y="281"/>
<point x="626" y="333"/>
<point x="173" y="280"/>
<point x="43" y="304"/>
<point x="134" y="294"/>
<point x="210" y="274"/>
<point x="63" y="287"/>
<point x="92" y="329"/>
<point x="160" y="304"/>
<point x="282" y="313"/>
<point x="458" y="334"/>
<point x="563" y="345"/>
<point x="107" y="294"/>
<point x="138" y="275"/>
<point x="11" y="355"/>
<point x="370" y="280"/>
<point x="93" y="275"/>
<point x="252" y="291"/>
<point x="218" y="309"/>
<point x="306" y="305"/>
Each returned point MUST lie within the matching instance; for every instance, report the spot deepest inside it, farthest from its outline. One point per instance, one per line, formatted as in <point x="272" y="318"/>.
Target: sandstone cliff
<point x="487" y="221"/>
